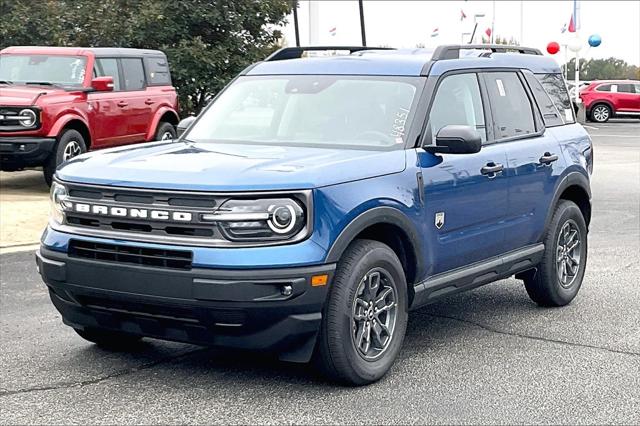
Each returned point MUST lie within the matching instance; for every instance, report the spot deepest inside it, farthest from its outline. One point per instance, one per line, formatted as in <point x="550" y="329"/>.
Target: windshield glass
<point x="362" y="112"/>
<point x="54" y="69"/>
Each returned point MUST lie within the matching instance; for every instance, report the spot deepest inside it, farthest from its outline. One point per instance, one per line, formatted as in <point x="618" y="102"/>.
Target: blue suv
<point x="318" y="199"/>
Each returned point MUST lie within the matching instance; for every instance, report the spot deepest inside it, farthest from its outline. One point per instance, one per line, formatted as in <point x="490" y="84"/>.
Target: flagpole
<point x="493" y="20"/>
<point x="521" y="25"/>
<point x="364" y="37"/>
<point x="295" y="22"/>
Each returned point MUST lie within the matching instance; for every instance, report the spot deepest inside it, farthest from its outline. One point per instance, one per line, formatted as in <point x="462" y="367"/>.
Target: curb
<point x="16" y="248"/>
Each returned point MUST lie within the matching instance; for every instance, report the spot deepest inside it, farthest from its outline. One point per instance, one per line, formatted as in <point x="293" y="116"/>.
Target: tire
<point x="600" y="113"/>
<point x="70" y="144"/>
<point x="166" y="131"/>
<point x="342" y="351"/>
<point x="553" y="284"/>
<point x="108" y="339"/>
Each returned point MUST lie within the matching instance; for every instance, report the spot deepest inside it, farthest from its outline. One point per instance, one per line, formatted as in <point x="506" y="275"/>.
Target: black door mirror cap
<point x="456" y="139"/>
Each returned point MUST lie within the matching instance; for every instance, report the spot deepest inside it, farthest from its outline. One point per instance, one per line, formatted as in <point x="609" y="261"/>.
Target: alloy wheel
<point x="166" y="136"/>
<point x="568" y="253"/>
<point x="71" y="150"/>
<point x="601" y="113"/>
<point x="374" y="314"/>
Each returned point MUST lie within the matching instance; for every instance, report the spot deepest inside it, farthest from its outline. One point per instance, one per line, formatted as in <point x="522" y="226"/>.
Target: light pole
<point x="475" y="23"/>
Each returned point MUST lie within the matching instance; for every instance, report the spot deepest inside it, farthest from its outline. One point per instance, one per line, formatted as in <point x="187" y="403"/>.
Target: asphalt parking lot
<point x="486" y="356"/>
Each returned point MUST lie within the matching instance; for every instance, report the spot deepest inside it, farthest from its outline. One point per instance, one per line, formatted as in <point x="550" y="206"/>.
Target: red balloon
<point x="553" y="48"/>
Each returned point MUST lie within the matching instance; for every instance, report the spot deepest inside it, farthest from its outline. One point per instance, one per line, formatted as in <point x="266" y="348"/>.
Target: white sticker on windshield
<point x="567" y="115"/>
<point x="501" y="88"/>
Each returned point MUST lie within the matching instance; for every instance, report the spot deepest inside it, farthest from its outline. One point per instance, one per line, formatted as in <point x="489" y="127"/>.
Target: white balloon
<point x="575" y="45"/>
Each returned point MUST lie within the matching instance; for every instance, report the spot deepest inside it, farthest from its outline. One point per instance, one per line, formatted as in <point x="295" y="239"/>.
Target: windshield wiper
<point x="43" y="83"/>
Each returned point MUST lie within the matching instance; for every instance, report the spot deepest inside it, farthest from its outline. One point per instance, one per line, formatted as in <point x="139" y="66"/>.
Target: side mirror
<point x="102" y="84"/>
<point x="184" y="123"/>
<point x="456" y="139"/>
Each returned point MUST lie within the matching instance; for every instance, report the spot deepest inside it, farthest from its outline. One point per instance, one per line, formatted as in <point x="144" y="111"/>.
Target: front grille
<point x="173" y="259"/>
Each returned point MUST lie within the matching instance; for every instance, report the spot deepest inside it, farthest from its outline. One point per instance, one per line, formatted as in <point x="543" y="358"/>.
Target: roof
<point x="406" y="62"/>
<point x="97" y="51"/>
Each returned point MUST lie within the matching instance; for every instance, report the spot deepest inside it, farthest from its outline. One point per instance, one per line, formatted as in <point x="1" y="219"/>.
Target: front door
<point x="105" y="109"/>
<point x="465" y="194"/>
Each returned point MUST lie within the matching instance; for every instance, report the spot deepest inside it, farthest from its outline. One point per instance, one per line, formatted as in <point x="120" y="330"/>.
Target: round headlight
<point x="27" y="117"/>
<point x="283" y="218"/>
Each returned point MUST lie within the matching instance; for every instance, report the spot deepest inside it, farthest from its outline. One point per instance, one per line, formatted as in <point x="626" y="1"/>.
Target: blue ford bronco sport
<point x="317" y="200"/>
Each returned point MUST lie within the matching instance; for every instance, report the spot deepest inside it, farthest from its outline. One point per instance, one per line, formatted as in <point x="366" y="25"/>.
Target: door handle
<point x="548" y="158"/>
<point x="491" y="169"/>
<point x="149" y="101"/>
<point x="122" y="104"/>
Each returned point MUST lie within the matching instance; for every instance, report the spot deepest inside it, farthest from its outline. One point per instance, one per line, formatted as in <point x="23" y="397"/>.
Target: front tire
<point x="108" y="339"/>
<point x="365" y="317"/>
<point x="601" y="113"/>
<point x="70" y="144"/>
<point x="559" y="275"/>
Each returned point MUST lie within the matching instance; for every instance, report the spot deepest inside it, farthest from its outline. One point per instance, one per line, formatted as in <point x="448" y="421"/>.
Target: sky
<point x="400" y="23"/>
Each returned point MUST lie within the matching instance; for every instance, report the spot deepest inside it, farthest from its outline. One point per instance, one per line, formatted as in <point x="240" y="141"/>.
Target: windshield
<point x="359" y="112"/>
<point x="53" y="69"/>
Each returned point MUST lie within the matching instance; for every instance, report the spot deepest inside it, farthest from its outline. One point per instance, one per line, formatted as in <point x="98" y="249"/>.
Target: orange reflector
<point x="318" y="280"/>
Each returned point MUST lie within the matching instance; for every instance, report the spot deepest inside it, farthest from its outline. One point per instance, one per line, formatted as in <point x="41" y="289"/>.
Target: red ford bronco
<point x="58" y="102"/>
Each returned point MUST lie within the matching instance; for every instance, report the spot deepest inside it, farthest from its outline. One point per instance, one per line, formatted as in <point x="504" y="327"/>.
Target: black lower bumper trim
<point x="274" y="310"/>
<point x="19" y="152"/>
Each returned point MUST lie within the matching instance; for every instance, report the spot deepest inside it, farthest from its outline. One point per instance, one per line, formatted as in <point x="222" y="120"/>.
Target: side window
<point x="550" y="113"/>
<point x="458" y="101"/>
<point x="604" y="88"/>
<point x="133" y="73"/>
<point x="637" y="88"/>
<point x="510" y="105"/>
<point x="157" y="71"/>
<point x="108" y="67"/>
<point x="625" y="88"/>
<point x="556" y="88"/>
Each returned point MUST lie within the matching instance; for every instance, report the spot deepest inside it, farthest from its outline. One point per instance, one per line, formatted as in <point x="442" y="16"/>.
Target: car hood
<point x="228" y="167"/>
<point x="24" y="95"/>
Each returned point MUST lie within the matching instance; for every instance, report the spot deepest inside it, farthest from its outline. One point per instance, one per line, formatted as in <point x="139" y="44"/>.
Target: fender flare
<point x="374" y="216"/>
<point x="62" y="121"/>
<point x="151" y="133"/>
<point x="571" y="179"/>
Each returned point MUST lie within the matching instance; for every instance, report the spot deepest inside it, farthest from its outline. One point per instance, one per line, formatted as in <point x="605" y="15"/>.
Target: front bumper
<point x="243" y="309"/>
<point x="17" y="152"/>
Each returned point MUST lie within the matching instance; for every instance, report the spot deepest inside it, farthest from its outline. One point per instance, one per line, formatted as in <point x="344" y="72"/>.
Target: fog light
<point x="286" y="290"/>
<point x="21" y="148"/>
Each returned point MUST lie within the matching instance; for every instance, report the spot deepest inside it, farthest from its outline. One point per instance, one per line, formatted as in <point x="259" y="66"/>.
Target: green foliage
<point x="503" y="40"/>
<point x="207" y="41"/>
<point x="603" y="69"/>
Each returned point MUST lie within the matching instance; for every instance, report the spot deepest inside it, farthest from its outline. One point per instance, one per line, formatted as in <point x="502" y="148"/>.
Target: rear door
<point x="465" y="203"/>
<point x="534" y="159"/>
<point x="104" y="108"/>
<point x="138" y="113"/>
<point x="627" y="98"/>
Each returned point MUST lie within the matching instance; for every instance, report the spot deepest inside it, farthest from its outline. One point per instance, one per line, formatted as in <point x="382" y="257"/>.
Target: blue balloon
<point x="595" y="40"/>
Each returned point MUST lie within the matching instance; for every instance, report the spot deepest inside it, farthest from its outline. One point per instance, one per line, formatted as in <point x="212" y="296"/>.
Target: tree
<point x="207" y="41"/>
<point x="603" y="69"/>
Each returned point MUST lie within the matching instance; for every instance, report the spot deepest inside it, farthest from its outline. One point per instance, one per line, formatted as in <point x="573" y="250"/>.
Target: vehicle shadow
<point x="25" y="182"/>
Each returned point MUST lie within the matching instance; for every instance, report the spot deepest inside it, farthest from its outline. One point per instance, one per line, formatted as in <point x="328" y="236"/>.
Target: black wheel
<point x="165" y="132"/>
<point x="365" y="317"/>
<point x="601" y="113"/>
<point x="70" y="144"/>
<point x="108" y="339"/>
<point x="558" y="277"/>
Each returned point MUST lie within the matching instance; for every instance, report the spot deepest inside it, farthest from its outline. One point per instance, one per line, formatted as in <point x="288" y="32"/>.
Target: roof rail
<point x="296" y="52"/>
<point x="452" y="51"/>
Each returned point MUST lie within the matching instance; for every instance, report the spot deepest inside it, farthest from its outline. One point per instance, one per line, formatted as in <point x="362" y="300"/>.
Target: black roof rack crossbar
<point x="296" y="52"/>
<point x="452" y="51"/>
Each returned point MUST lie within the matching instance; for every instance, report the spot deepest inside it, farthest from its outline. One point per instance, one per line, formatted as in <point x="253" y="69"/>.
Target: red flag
<point x="572" y="25"/>
<point x="462" y="15"/>
<point x="488" y="32"/>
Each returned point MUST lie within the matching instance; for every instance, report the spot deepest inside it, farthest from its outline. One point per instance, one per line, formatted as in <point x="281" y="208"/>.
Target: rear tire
<point x="600" y="113"/>
<point x="365" y="317"/>
<point x="165" y="131"/>
<point x="559" y="275"/>
<point x="108" y="339"/>
<point x="70" y="144"/>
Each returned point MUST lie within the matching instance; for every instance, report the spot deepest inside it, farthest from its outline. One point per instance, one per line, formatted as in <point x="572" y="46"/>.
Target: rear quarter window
<point x="549" y="110"/>
<point x="556" y="88"/>
<point x="158" y="71"/>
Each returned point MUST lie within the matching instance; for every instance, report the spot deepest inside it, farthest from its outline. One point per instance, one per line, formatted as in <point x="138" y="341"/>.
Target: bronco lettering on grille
<point x="130" y="212"/>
